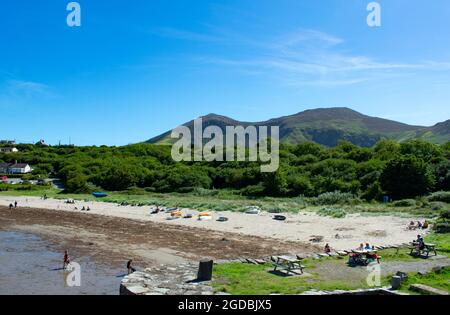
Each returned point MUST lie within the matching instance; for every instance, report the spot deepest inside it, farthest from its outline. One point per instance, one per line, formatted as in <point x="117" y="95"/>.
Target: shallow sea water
<point x="31" y="265"/>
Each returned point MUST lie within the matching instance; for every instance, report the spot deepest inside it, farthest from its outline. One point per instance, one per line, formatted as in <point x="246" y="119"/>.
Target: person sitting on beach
<point x="361" y="247"/>
<point x="411" y="226"/>
<point x="11" y="206"/>
<point x="419" y="225"/>
<point x="88" y="209"/>
<point x="425" y="225"/>
<point x="130" y="266"/>
<point x="155" y="211"/>
<point x="83" y="209"/>
<point x="327" y="248"/>
<point x="66" y="259"/>
<point x="367" y="247"/>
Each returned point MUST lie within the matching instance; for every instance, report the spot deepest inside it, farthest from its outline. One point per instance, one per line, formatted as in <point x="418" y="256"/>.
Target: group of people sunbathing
<point x="13" y="205"/>
<point x="157" y="210"/>
<point x="84" y="208"/>
<point x="419" y="225"/>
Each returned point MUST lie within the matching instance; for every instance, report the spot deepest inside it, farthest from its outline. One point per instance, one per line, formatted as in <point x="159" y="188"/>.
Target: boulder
<point x="421" y="288"/>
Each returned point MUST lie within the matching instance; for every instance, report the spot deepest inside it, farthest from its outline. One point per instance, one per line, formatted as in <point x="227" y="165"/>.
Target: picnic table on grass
<point x="289" y="264"/>
<point x="428" y="248"/>
<point x="362" y="257"/>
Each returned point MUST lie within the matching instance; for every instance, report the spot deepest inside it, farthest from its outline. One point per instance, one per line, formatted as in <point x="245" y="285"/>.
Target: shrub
<point x="198" y="191"/>
<point x="254" y="190"/>
<point x="443" y="196"/>
<point x="445" y="215"/>
<point x="333" y="198"/>
<point x="332" y="212"/>
<point x="404" y="203"/>
<point x="442" y="227"/>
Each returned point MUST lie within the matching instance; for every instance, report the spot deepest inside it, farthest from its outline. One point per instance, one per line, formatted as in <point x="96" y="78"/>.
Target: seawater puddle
<point x="31" y="265"/>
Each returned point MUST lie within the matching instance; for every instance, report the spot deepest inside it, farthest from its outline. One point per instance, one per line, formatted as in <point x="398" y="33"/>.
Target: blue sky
<point x="135" y="69"/>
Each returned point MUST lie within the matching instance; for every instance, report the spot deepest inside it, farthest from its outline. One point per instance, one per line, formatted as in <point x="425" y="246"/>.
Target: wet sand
<point x="341" y="234"/>
<point x="115" y="240"/>
<point x="31" y="265"/>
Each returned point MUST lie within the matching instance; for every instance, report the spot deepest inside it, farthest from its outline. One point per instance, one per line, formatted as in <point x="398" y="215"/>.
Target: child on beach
<point x="66" y="259"/>
<point x="130" y="266"/>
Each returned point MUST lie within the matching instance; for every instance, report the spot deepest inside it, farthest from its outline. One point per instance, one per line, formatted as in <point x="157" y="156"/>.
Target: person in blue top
<point x="367" y="247"/>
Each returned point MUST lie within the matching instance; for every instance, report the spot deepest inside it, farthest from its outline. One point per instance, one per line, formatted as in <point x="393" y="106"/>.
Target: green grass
<point x="438" y="280"/>
<point x="327" y="274"/>
<point x="442" y="242"/>
<point x="246" y="279"/>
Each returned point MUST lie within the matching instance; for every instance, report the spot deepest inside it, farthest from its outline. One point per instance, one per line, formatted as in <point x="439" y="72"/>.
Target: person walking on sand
<point x="15" y="204"/>
<point x="66" y="259"/>
<point x="130" y="266"/>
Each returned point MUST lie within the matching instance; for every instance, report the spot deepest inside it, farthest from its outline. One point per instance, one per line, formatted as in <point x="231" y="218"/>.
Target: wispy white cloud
<point x="28" y="87"/>
<point x="15" y="92"/>
<point x="302" y="57"/>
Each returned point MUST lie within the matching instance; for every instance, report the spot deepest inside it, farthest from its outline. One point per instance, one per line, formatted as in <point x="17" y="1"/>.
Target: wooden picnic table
<point x="288" y="264"/>
<point x="362" y="256"/>
<point x="428" y="248"/>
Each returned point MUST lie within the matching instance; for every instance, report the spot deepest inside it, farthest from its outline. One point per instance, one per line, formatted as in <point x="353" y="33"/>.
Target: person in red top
<point x="66" y="259"/>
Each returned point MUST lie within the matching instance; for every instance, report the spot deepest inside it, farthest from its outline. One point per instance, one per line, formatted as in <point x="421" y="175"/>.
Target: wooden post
<point x="205" y="269"/>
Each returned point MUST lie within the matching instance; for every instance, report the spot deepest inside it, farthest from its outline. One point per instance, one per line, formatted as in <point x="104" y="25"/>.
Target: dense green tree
<point x="406" y="177"/>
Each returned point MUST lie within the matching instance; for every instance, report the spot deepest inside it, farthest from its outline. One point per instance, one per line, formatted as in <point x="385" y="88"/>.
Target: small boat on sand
<point x="253" y="210"/>
<point x="222" y="219"/>
<point x="99" y="194"/>
<point x="204" y="216"/>
<point x="279" y="218"/>
<point x="176" y="214"/>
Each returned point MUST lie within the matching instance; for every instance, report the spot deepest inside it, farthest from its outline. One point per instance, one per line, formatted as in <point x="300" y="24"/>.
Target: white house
<point x="20" y="168"/>
<point x="16" y="168"/>
<point x="8" y="150"/>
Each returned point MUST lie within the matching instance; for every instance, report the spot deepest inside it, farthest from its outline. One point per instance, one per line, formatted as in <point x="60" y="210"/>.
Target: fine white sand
<point x="344" y="233"/>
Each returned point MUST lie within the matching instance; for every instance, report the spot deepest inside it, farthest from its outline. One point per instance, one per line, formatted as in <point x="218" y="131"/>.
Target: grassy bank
<point x="438" y="279"/>
<point x="327" y="274"/>
<point x="232" y="201"/>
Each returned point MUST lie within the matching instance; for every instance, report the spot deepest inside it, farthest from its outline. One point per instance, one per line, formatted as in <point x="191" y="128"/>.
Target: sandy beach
<point x="340" y="233"/>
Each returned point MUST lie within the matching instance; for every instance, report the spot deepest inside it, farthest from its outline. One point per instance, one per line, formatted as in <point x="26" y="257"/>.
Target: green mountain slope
<point x="329" y="125"/>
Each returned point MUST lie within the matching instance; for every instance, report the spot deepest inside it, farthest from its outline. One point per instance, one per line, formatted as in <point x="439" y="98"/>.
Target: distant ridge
<point x="327" y="126"/>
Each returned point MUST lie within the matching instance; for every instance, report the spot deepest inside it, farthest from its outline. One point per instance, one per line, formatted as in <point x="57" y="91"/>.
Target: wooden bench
<point x="429" y="248"/>
<point x="288" y="264"/>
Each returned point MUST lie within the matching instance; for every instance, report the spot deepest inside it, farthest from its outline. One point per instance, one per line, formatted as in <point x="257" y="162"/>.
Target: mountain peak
<point x="327" y="126"/>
